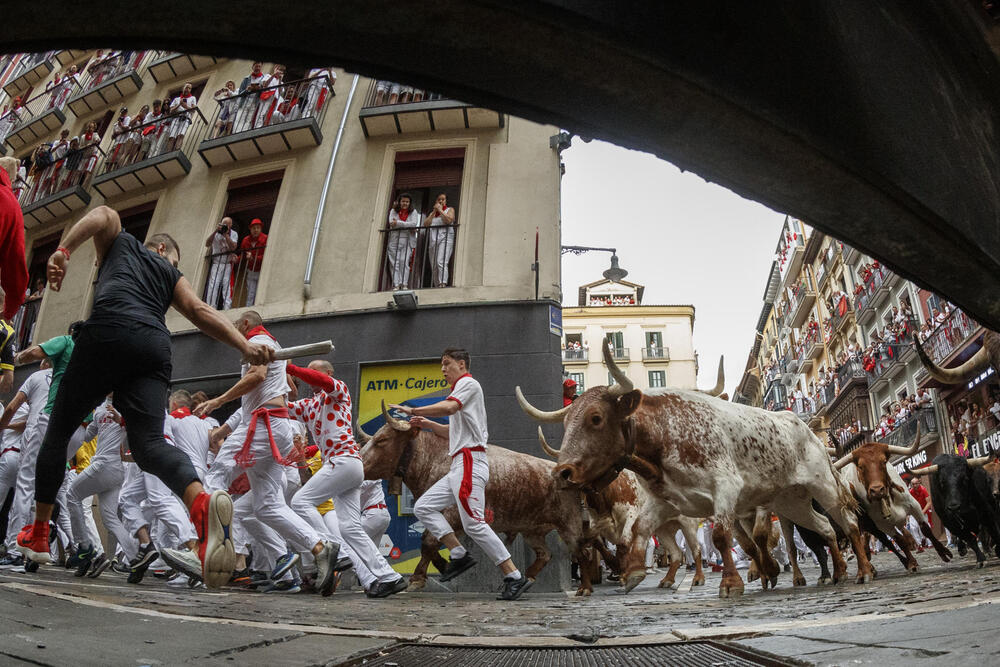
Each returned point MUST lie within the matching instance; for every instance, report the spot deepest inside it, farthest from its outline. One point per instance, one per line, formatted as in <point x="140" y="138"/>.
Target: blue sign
<point x="555" y="320"/>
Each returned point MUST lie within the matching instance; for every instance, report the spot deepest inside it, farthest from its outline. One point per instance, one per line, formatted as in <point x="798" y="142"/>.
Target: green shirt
<point x="58" y="350"/>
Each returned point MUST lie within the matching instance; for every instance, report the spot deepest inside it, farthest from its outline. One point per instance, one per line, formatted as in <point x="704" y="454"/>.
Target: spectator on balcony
<point x="221" y="244"/>
<point x="252" y="83"/>
<point x="252" y="248"/>
<point x="381" y="90"/>
<point x="268" y="108"/>
<point x="60" y="88"/>
<point x="319" y="88"/>
<point x="441" y="242"/>
<point x="569" y="391"/>
<point x="154" y="135"/>
<point x="402" y="241"/>
<point x="133" y="140"/>
<point x="938" y="316"/>
<point x="52" y="176"/>
<point x="180" y="108"/>
<point x="119" y="136"/>
<point x="71" y="167"/>
<point x="10" y="118"/>
<point x="228" y="105"/>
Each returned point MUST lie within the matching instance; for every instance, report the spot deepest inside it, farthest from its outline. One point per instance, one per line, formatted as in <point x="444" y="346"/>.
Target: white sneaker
<point x="184" y="561"/>
<point x="180" y="580"/>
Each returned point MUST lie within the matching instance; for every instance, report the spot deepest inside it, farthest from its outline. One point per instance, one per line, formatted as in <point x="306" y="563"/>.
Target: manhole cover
<point x="680" y="654"/>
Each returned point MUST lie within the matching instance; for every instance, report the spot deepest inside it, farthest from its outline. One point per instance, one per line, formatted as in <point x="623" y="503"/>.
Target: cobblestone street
<point x="945" y="611"/>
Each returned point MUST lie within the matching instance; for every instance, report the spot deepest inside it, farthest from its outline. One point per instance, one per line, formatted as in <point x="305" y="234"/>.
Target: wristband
<point x="63" y="251"/>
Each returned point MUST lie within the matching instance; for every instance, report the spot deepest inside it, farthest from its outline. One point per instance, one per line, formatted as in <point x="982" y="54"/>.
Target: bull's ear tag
<point x="629" y="402"/>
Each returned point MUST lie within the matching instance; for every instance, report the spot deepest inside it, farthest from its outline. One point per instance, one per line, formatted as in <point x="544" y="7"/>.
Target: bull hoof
<point x="752" y="576"/>
<point x="416" y="585"/>
<point x="583" y="592"/>
<point x="698" y="580"/>
<point x="912" y="567"/>
<point x="865" y="578"/>
<point x="730" y="591"/>
<point x="666" y="583"/>
<point x="774" y="582"/>
<point x="825" y="581"/>
<point x="799" y="580"/>
<point x="633" y="580"/>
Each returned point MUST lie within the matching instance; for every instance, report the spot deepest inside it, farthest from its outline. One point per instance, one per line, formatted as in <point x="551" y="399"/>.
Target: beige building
<point x="652" y="344"/>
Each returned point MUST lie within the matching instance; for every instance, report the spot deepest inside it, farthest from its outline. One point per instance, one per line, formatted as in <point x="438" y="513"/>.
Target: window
<point x="616" y="341"/>
<point x="232" y="276"/>
<point x="657" y="379"/>
<point x="422" y="256"/>
<point x="136" y="220"/>
<point x="654" y="344"/>
<point x="580" y="385"/>
<point x="27" y="315"/>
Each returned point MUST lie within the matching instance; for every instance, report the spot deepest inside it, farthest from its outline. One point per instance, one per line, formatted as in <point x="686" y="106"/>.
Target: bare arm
<point x="8" y="412"/>
<point x="440" y="430"/>
<point x="443" y="408"/>
<point x="254" y="377"/>
<point x="6" y="381"/>
<point x="32" y="354"/>
<point x="101" y="224"/>
<point x="212" y="323"/>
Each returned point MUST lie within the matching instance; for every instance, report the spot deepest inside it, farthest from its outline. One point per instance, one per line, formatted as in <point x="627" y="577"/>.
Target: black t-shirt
<point x="133" y="284"/>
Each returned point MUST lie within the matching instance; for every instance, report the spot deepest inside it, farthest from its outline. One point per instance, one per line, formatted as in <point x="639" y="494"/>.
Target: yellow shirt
<point x="315" y="463"/>
<point x="85" y="453"/>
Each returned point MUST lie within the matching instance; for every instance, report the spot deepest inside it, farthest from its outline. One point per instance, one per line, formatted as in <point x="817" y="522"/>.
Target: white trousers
<point x="914" y="528"/>
<point x="218" y="283"/>
<point x="24" y="485"/>
<point x="650" y="553"/>
<point x="441" y="245"/>
<point x="341" y="479"/>
<point x="9" y="464"/>
<point x="253" y="277"/>
<point x="444" y="493"/>
<point x="398" y="251"/>
<point x="332" y="525"/>
<point x="708" y="551"/>
<point x="103" y="479"/>
<point x="375" y="522"/>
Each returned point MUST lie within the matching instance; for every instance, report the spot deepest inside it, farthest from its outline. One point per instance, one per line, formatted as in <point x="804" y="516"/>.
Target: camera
<point x="222" y="229"/>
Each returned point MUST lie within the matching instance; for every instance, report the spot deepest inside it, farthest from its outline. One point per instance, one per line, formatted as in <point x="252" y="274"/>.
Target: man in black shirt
<point x="125" y="348"/>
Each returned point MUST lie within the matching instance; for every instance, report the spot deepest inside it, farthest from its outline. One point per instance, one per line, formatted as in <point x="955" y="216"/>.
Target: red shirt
<point x="920" y="494"/>
<point x="257" y="250"/>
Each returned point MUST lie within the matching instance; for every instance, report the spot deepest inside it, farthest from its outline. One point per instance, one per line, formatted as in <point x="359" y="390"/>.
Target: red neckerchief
<point x="403" y="214"/>
<point x="257" y="331"/>
<point x="181" y="413"/>
<point x="467" y="375"/>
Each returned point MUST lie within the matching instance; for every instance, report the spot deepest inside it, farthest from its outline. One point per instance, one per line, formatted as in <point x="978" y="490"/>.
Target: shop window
<point x="232" y="276"/>
<point x="419" y="257"/>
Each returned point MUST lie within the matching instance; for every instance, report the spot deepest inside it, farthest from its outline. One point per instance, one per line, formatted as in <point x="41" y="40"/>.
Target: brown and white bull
<point x="882" y="493"/>
<point x="627" y="515"/>
<point x="706" y="457"/>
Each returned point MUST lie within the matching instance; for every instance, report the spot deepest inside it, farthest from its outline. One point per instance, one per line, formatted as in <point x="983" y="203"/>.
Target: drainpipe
<point x="307" y="283"/>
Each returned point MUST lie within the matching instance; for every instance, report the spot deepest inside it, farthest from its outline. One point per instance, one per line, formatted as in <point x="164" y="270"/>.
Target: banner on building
<point x="406" y="383"/>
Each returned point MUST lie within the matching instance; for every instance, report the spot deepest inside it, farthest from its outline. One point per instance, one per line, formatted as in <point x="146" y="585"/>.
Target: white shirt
<point x="275" y="382"/>
<point x="235" y="419"/>
<point x="371" y="493"/>
<point x="995" y="409"/>
<point x="223" y="244"/>
<point x="175" y="106"/>
<point x="12" y="438"/>
<point x="467" y="427"/>
<point x="190" y="435"/>
<point x="36" y="391"/>
<point x="109" y="434"/>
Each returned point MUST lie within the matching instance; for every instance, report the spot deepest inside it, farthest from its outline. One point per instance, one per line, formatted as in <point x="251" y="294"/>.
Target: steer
<point x="882" y="492"/>
<point x="958" y="487"/>
<point x="521" y="495"/>
<point x="705" y="457"/>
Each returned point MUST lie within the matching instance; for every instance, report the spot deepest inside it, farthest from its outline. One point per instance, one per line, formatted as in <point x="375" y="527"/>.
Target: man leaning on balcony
<point x="221" y="243"/>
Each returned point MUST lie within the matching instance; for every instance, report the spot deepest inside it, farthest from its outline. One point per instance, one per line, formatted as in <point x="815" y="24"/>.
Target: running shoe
<point x="12" y="560"/>
<point x="212" y="516"/>
<point x="85" y="557"/>
<point x="138" y="565"/>
<point x="284" y="564"/>
<point x="285" y="586"/>
<point x="72" y="559"/>
<point x="101" y="563"/>
<point x="387" y="588"/>
<point x="326" y="561"/>
<point x="456" y="567"/>
<point x="343" y="564"/>
<point x="240" y="577"/>
<point x="184" y="561"/>
<point x="33" y="542"/>
<point x="513" y="588"/>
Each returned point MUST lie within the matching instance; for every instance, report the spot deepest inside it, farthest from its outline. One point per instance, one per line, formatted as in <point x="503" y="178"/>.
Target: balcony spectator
<point x="252" y="247"/>
<point x="252" y="83"/>
<point x="133" y="140"/>
<point x="569" y="391"/>
<point x="228" y="105"/>
<point x="180" y="108"/>
<point x="401" y="242"/>
<point x="71" y="167"/>
<point x="319" y="88"/>
<point x="938" y="316"/>
<point x="119" y="136"/>
<point x="60" y="88"/>
<point x="154" y="135"/>
<point x="381" y="90"/>
<point x="270" y="99"/>
<point x="52" y="176"/>
<point x="441" y="242"/>
<point x="221" y="244"/>
<point x="10" y="119"/>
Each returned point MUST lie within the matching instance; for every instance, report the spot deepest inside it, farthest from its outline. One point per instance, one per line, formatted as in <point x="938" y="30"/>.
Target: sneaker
<point x="138" y="565"/>
<point x="325" y="562"/>
<point x="387" y="588"/>
<point x="85" y="558"/>
<point x="178" y="580"/>
<point x="12" y="560"/>
<point x="258" y="578"/>
<point x="240" y="577"/>
<point x="284" y="564"/>
<point x="184" y="561"/>
<point x="120" y="565"/>
<point x="513" y="588"/>
<point x="212" y="516"/>
<point x="285" y="586"/>
<point x="101" y="563"/>
<point x="343" y="564"/>
<point x="33" y="542"/>
<point x="72" y="559"/>
<point x="457" y="567"/>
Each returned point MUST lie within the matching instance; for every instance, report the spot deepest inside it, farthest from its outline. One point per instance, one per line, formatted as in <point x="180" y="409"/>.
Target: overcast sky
<point x="688" y="241"/>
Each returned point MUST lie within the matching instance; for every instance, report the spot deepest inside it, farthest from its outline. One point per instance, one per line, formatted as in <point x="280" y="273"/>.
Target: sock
<point x="516" y="574"/>
<point x="457" y="552"/>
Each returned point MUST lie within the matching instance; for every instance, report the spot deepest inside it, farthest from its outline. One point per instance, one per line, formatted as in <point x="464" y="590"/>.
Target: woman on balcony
<point x="321" y="80"/>
<point x="181" y="108"/>
<point x="133" y="141"/>
<point x="401" y="241"/>
<point x="119" y="135"/>
<point x="88" y="146"/>
<point x="441" y="243"/>
<point x="227" y="109"/>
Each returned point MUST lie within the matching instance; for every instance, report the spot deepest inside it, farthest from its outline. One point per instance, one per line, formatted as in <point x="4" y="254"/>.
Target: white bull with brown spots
<point x="706" y="457"/>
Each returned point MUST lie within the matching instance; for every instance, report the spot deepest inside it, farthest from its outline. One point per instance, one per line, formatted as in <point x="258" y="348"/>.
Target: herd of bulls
<point x="633" y="465"/>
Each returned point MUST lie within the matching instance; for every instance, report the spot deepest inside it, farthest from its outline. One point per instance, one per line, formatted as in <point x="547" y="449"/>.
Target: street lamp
<point x="615" y="273"/>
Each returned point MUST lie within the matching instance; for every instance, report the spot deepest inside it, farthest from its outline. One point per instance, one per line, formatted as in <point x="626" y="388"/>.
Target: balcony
<point x="814" y="345"/>
<point x="950" y="335"/>
<point x="390" y="109"/>
<point x="24" y="322"/>
<point x="803" y="408"/>
<point x="803" y="298"/>
<point x="850" y="254"/>
<point x="57" y="191"/>
<point x="417" y="258"/>
<point x="655" y="354"/>
<point x="905" y="431"/>
<point x="619" y="353"/>
<point x="167" y="65"/>
<point x="833" y="255"/>
<point x="39" y="117"/>
<point x="775" y="398"/>
<point x="108" y="80"/>
<point x="824" y="397"/>
<point x="153" y="157"/>
<point x="276" y="119"/>
<point x="843" y="313"/>
<point x="69" y="57"/>
<point x="576" y="356"/>
<point x="29" y="71"/>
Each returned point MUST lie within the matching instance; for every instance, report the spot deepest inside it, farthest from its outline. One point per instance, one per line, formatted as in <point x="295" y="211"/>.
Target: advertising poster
<point x="404" y="383"/>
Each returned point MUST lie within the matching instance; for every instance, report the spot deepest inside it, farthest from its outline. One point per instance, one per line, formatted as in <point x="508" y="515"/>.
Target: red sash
<point x="15" y="449"/>
<point x="376" y="506"/>
<point x="245" y="458"/>
<point x="466" y="488"/>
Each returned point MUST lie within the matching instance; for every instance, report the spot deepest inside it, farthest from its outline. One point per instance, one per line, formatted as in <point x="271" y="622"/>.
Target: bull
<point x="706" y="457"/>
<point x="882" y="493"/>
<point x="959" y="491"/>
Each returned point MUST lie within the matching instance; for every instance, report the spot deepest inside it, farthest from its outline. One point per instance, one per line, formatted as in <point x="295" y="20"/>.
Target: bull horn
<point x="832" y="451"/>
<point x="623" y="384"/>
<point x="978" y="462"/>
<point x="539" y="415"/>
<point x="397" y="424"/>
<point x="958" y="375"/>
<point x="843" y="461"/>
<point x="554" y="453"/>
<point x="719" y="383"/>
<point x="907" y="451"/>
<point x="928" y="470"/>
<point x="360" y="436"/>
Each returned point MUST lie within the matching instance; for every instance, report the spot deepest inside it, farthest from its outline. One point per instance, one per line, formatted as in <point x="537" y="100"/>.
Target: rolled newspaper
<point x="310" y="350"/>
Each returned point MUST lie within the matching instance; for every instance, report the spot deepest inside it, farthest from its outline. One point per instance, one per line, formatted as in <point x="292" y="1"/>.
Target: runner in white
<point x="465" y="483"/>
